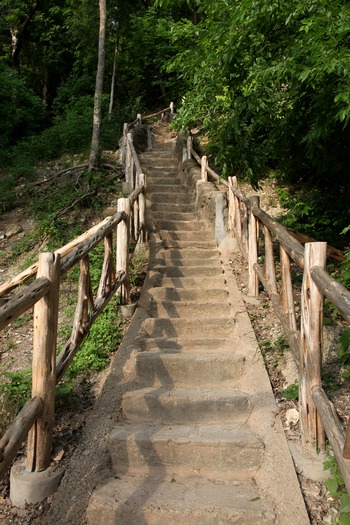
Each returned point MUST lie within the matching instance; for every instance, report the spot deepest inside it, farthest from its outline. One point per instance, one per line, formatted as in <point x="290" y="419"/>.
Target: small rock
<point x="2" y="235"/>
<point x="12" y="230"/>
<point x="313" y="491"/>
<point x="292" y="417"/>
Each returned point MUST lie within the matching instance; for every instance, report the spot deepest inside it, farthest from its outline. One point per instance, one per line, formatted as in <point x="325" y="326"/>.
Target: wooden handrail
<point x="316" y="411"/>
<point x="43" y="295"/>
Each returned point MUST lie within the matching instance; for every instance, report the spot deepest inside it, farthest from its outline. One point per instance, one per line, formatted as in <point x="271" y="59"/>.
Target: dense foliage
<point x="267" y="82"/>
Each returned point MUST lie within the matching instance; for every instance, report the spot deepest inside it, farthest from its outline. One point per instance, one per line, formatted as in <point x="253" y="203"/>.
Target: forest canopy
<point x="266" y="82"/>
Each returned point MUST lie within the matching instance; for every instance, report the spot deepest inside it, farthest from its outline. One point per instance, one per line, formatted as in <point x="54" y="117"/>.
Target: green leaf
<point x="332" y="486"/>
<point x="345" y="503"/>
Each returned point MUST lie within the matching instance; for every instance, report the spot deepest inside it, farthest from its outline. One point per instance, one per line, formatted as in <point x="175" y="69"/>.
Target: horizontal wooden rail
<point x="83" y="248"/>
<point x="8" y="286"/>
<point x="335" y="292"/>
<point x="133" y="196"/>
<point x="12" y="440"/>
<point x="23" y="301"/>
<point x="334" y="431"/>
<point x="294" y="248"/>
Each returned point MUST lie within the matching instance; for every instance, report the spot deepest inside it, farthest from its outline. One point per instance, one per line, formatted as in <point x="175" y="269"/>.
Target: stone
<point x="12" y="230"/>
<point x="292" y="417"/>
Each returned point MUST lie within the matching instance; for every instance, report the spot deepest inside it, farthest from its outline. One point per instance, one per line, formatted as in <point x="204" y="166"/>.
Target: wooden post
<point x="346" y="450"/>
<point x="253" y="283"/>
<point x="171" y="108"/>
<point x="136" y="224"/>
<point x="270" y="271"/>
<point x="142" y="209"/>
<point x="286" y="292"/>
<point x="237" y="211"/>
<point x="44" y="364"/>
<point x="189" y="146"/>
<point x="129" y="163"/>
<point x="312" y="432"/>
<point x="204" y="164"/>
<point x="139" y="119"/>
<point x="245" y="227"/>
<point x="122" y="263"/>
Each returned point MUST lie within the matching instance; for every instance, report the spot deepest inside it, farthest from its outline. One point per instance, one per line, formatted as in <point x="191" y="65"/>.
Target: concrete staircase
<point x="198" y="441"/>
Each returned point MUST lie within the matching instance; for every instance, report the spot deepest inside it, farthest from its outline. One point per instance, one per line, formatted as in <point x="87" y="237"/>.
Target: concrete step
<point x="191" y="252"/>
<point x="177" y="295"/>
<point x="186" y="406"/>
<point x="189" y="345"/>
<point x="223" y="447"/>
<point x="181" y="225"/>
<point x="196" y="310"/>
<point x="189" y="271"/>
<point x="171" y="207"/>
<point x="175" y="215"/>
<point x="162" y="262"/>
<point x="168" y="189"/>
<point x="172" y="328"/>
<point x="191" y="500"/>
<point x="172" y="243"/>
<point x="195" y="283"/>
<point x="162" y="181"/>
<point x="168" y="368"/>
<point x="171" y="198"/>
<point x="186" y="235"/>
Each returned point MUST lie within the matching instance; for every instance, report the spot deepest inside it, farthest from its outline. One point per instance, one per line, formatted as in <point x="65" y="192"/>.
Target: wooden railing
<point x="36" y="418"/>
<point x="259" y="237"/>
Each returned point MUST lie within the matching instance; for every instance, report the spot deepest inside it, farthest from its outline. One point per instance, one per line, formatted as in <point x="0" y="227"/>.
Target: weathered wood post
<point x="270" y="271"/>
<point x="44" y="364"/>
<point x="286" y="291"/>
<point x="142" y="209"/>
<point x="204" y="165"/>
<point x="122" y="262"/>
<point x="237" y="211"/>
<point x="189" y="146"/>
<point x="253" y="282"/>
<point x="139" y="119"/>
<point x="129" y="162"/>
<point x="171" y="108"/>
<point x="312" y="432"/>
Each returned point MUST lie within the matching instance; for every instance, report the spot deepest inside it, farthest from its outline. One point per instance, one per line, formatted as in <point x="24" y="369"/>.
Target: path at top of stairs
<point x="194" y="436"/>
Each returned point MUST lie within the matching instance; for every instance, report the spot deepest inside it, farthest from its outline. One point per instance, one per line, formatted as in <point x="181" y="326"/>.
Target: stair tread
<point x="193" y="499"/>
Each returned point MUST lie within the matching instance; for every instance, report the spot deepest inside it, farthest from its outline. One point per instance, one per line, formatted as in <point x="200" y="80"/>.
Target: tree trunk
<point x="111" y="96"/>
<point x="95" y="141"/>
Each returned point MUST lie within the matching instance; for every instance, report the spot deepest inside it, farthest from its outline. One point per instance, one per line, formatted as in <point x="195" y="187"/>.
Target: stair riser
<point x="192" y="282"/>
<point x="163" y="181"/>
<point x="187" y="263"/>
<point x="170" y="214"/>
<point x="183" y="410"/>
<point x="171" y="198"/>
<point x="172" y="207"/>
<point x="121" y="514"/>
<point x="193" y="328"/>
<point x="171" y="294"/>
<point x="181" y="225"/>
<point x="193" y="271"/>
<point x="168" y="189"/>
<point x="171" y="243"/>
<point x="187" y="369"/>
<point x="186" y="236"/>
<point x="178" y="309"/>
<point x="182" y="452"/>
<point x="191" y="253"/>
<point x="188" y="345"/>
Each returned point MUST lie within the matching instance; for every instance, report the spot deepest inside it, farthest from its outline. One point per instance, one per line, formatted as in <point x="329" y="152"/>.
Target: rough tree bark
<point x="95" y="141"/>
